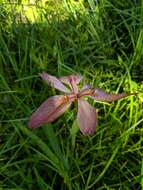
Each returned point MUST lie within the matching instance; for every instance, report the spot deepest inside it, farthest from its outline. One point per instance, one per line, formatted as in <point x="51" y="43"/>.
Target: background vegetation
<point x="103" y="41"/>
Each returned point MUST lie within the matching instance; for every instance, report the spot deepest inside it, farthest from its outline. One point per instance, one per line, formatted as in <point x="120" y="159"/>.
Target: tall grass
<point x="103" y="41"/>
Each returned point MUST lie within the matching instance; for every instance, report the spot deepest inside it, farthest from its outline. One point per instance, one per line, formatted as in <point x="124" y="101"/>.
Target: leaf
<point x="73" y="131"/>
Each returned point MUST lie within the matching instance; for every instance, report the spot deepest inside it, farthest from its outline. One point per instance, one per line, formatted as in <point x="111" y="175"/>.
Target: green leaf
<point x="73" y="131"/>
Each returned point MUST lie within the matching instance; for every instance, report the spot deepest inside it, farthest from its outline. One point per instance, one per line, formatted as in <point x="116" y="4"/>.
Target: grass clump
<point x="103" y="42"/>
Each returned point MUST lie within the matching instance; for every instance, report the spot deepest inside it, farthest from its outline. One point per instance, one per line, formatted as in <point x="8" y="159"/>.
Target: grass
<point x="103" y="41"/>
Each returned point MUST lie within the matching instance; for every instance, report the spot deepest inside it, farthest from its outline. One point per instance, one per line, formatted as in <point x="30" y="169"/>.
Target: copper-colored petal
<point x="85" y="87"/>
<point x="53" y="81"/>
<point x="67" y="79"/>
<point x="49" y="110"/>
<point x="86" y="91"/>
<point x="100" y="95"/>
<point x="72" y="81"/>
<point x="87" y="117"/>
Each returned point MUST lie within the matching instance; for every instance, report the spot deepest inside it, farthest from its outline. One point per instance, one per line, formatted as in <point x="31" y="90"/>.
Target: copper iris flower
<point x="55" y="106"/>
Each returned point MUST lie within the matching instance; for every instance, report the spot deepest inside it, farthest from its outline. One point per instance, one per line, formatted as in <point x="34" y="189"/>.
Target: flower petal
<point x="86" y="91"/>
<point x="67" y="79"/>
<point x="85" y="87"/>
<point x="100" y="95"/>
<point x="87" y="117"/>
<point x="53" y="81"/>
<point x="49" y="110"/>
<point x="72" y="81"/>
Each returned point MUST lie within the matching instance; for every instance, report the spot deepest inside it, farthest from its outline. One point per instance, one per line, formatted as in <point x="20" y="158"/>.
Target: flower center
<point x="77" y="95"/>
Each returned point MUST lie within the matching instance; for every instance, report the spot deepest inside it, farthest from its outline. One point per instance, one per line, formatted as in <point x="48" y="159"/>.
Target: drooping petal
<point x="72" y="81"/>
<point x="86" y="117"/>
<point x="100" y="95"/>
<point x="49" y="110"/>
<point x="53" y="81"/>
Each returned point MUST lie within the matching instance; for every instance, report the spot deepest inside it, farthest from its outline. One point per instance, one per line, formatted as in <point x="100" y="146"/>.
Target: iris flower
<point x="55" y="106"/>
